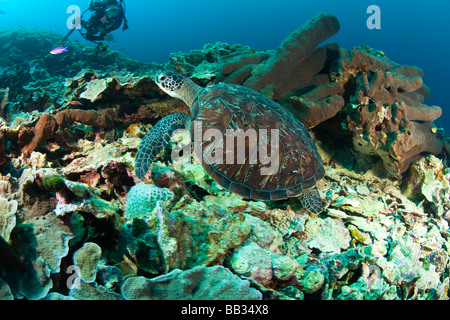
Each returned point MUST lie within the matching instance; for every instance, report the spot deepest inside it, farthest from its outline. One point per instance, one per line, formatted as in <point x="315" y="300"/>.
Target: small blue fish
<point x="58" y="50"/>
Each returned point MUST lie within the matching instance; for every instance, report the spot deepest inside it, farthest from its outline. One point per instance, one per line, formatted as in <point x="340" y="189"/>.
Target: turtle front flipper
<point x="311" y="200"/>
<point x="156" y="140"/>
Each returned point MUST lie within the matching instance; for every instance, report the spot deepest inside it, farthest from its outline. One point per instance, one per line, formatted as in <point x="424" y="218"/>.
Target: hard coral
<point x="205" y="283"/>
<point x="8" y="211"/>
<point x="266" y="268"/>
<point x="166" y="177"/>
<point x="2" y="148"/>
<point x="87" y="259"/>
<point x="118" y="176"/>
<point x="143" y="198"/>
<point x="41" y="243"/>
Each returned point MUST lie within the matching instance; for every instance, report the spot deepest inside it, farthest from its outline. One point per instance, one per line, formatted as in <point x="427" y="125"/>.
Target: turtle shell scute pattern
<point x="227" y="108"/>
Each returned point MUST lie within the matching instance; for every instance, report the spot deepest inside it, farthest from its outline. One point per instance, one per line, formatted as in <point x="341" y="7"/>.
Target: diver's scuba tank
<point x="103" y="5"/>
<point x="100" y="4"/>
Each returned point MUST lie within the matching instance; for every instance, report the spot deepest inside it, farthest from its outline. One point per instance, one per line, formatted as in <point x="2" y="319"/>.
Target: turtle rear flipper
<point x="156" y="140"/>
<point x="311" y="200"/>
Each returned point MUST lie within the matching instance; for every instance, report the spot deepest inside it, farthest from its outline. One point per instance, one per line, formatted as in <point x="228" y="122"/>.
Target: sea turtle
<point x="231" y="110"/>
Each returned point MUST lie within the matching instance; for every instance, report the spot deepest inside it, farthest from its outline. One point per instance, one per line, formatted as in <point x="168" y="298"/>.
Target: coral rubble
<point x="75" y="222"/>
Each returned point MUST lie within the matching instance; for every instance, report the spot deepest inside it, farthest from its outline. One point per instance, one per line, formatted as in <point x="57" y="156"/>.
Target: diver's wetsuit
<point x="104" y="21"/>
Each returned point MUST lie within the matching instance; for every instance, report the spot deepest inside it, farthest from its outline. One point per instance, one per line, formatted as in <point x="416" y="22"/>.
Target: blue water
<point x="412" y="32"/>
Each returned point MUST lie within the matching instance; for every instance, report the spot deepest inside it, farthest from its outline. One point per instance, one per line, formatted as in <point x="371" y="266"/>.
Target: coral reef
<point x="25" y="60"/>
<point x="357" y="93"/>
<point x="76" y="223"/>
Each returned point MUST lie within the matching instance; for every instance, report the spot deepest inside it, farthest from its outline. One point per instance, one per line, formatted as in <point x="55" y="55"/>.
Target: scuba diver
<point x="107" y="17"/>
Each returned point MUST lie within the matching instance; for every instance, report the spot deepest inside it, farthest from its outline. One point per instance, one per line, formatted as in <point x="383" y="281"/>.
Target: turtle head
<point x="171" y="82"/>
<point x="178" y="86"/>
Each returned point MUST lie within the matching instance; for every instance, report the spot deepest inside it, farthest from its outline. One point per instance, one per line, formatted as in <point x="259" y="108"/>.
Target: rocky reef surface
<point x="77" y="224"/>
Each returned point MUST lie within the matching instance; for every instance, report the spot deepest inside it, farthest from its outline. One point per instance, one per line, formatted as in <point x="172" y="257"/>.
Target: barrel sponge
<point x="143" y="198"/>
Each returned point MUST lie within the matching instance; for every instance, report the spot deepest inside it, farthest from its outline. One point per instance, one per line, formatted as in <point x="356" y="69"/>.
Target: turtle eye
<point x="162" y="78"/>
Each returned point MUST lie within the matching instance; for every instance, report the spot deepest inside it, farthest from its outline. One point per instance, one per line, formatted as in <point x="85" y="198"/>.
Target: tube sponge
<point x="143" y="198"/>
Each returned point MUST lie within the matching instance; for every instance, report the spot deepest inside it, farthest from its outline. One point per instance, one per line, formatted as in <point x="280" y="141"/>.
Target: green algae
<point x="53" y="183"/>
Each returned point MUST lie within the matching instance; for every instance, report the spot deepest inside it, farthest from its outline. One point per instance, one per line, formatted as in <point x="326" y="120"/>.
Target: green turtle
<point x="231" y="110"/>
